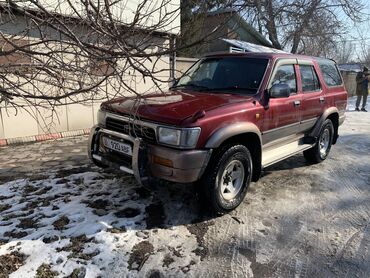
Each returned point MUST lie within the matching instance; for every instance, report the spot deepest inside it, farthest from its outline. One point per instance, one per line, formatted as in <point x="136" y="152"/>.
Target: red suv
<point x="223" y="121"/>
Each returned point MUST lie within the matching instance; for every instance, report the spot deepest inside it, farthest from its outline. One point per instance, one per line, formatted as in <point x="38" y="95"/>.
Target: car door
<point x="282" y="118"/>
<point x="313" y="98"/>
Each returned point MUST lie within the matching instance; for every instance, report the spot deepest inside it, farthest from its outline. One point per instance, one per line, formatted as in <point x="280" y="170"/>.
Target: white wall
<point x="21" y="123"/>
<point x="29" y="121"/>
<point x="183" y="64"/>
<point x="123" y="11"/>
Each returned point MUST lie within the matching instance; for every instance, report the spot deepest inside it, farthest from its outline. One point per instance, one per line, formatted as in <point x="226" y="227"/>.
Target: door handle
<point x="322" y="99"/>
<point x="297" y="103"/>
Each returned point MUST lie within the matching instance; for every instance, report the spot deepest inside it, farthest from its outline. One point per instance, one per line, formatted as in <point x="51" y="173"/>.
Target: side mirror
<point x="279" y="91"/>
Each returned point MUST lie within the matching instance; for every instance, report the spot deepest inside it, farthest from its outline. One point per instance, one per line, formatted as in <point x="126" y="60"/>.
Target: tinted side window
<point x="310" y="82"/>
<point x="286" y="75"/>
<point x="330" y="73"/>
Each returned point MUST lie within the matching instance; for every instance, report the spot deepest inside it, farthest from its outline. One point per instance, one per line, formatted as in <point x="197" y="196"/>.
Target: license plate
<point x="117" y="146"/>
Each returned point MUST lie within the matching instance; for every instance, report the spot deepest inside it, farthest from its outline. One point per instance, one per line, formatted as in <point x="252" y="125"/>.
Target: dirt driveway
<point x="61" y="216"/>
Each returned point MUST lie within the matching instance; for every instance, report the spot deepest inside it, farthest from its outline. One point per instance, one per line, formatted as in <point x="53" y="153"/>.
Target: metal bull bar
<point x="138" y="152"/>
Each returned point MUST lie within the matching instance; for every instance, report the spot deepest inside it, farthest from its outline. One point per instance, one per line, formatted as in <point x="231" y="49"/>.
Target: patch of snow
<point x="46" y="201"/>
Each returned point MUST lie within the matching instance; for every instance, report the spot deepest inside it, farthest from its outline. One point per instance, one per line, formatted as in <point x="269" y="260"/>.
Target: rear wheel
<point x="322" y="148"/>
<point x="226" y="180"/>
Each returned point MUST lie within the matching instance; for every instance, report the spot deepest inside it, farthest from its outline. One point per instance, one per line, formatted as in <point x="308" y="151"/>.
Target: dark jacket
<point x="362" y="84"/>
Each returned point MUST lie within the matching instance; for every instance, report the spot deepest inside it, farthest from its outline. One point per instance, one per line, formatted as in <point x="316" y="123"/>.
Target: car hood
<point x="172" y="107"/>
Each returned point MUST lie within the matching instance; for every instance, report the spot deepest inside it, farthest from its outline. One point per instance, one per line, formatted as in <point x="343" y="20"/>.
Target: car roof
<point x="267" y="55"/>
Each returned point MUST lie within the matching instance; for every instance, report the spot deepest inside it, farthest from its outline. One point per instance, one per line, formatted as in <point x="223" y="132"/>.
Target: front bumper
<point x="187" y="165"/>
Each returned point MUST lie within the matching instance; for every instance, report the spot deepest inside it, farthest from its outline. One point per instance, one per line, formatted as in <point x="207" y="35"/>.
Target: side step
<point x="274" y="155"/>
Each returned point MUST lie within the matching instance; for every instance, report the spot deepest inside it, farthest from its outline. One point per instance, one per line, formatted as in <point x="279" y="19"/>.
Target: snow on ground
<point x="70" y="219"/>
<point x="90" y="222"/>
<point x="356" y="130"/>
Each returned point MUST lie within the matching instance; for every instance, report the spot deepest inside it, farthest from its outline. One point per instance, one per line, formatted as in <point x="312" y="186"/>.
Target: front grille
<point x="119" y="159"/>
<point x="144" y="132"/>
<point x="112" y="155"/>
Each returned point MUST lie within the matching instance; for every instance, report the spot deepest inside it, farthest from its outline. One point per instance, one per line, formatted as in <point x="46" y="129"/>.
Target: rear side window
<point x="330" y="73"/>
<point x="310" y="82"/>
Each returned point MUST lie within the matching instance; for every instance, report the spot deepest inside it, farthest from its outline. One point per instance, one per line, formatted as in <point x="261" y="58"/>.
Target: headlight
<point x="185" y="137"/>
<point x="169" y="136"/>
<point x="101" y="117"/>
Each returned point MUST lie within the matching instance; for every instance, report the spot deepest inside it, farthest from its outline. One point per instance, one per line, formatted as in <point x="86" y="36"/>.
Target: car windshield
<point x="240" y="74"/>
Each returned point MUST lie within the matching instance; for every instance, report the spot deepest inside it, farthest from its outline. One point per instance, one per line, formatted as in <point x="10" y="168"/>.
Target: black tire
<point x="320" y="152"/>
<point x="239" y="158"/>
<point x="150" y="182"/>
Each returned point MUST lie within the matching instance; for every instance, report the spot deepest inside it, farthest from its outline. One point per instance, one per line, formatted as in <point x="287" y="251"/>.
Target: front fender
<point x="226" y="132"/>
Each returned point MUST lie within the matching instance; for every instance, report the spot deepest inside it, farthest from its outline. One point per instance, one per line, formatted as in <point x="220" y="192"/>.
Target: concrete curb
<point x="43" y="137"/>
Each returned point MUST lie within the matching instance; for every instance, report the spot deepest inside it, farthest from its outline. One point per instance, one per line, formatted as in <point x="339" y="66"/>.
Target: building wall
<point x="183" y="64"/>
<point x="164" y="16"/>
<point x="20" y="123"/>
<point x="30" y="121"/>
<point x="70" y="115"/>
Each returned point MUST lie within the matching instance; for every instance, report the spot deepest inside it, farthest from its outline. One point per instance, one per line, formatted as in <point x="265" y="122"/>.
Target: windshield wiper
<point x="192" y="85"/>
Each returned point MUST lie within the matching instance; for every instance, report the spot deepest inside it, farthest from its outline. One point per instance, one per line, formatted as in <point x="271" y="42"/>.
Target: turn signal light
<point x="162" y="161"/>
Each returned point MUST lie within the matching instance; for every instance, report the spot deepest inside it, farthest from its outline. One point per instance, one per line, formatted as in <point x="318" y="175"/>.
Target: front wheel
<point x="322" y="148"/>
<point x="227" y="178"/>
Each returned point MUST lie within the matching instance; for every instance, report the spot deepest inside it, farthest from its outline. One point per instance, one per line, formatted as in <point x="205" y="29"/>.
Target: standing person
<point x="362" y="89"/>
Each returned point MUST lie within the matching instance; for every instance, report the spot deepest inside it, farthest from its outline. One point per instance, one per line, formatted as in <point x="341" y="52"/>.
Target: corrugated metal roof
<point x="251" y="47"/>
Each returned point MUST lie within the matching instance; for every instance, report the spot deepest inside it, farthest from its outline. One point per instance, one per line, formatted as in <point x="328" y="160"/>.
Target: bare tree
<point x="302" y="25"/>
<point x="365" y="59"/>
<point x="194" y="23"/>
<point x="361" y="41"/>
<point x="343" y="52"/>
<point x="54" y="53"/>
<point x="57" y="52"/>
